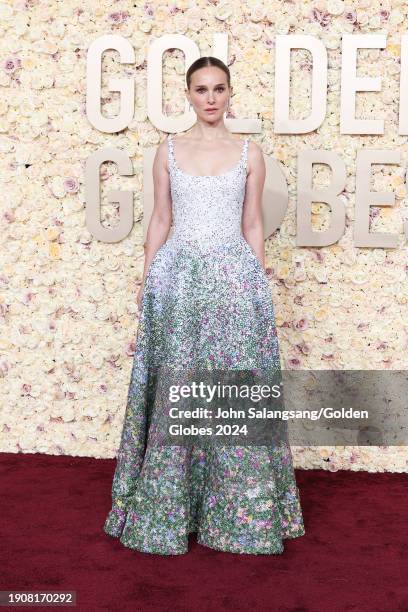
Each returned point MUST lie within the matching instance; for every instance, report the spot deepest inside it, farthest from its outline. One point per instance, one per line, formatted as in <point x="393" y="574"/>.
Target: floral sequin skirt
<point x="209" y="308"/>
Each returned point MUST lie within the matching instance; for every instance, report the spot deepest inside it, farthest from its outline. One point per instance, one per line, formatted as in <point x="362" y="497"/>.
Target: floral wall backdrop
<point x="68" y="302"/>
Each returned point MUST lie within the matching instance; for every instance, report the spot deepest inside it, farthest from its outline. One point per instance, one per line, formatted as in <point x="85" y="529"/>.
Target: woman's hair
<point x="207" y="60"/>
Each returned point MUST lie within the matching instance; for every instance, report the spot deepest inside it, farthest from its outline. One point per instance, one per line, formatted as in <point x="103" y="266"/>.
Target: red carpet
<point x="354" y="556"/>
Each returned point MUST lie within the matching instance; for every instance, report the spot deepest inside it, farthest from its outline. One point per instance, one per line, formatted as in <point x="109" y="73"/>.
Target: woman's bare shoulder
<point x="255" y="156"/>
<point x="163" y="147"/>
<point x="162" y="153"/>
<point x="254" y="150"/>
<point x="254" y="146"/>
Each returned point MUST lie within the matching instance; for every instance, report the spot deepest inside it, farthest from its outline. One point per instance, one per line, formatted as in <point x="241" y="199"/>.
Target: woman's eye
<point x="218" y="89"/>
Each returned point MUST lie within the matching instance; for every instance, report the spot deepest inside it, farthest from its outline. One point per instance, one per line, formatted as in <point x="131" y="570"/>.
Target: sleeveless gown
<point x="206" y="303"/>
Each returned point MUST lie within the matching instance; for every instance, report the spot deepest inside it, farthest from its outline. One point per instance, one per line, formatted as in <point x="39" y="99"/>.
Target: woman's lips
<point x="210" y="110"/>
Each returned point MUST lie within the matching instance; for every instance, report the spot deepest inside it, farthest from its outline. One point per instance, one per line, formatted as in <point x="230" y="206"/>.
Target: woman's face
<point x="209" y="90"/>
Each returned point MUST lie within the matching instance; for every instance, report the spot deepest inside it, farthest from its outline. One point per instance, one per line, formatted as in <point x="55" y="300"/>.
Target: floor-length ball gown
<point x="206" y="303"/>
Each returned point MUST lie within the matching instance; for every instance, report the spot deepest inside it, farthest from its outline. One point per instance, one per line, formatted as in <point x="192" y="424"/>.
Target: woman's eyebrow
<point x="218" y="84"/>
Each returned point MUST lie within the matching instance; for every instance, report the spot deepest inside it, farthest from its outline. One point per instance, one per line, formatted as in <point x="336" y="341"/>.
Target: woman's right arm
<point x="160" y="221"/>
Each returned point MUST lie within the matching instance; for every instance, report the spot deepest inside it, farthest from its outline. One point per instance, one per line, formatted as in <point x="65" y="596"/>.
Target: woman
<point x="204" y="303"/>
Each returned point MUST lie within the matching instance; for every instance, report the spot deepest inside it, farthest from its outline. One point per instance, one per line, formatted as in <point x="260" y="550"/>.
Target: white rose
<point x="335" y="7"/>
<point x="332" y="41"/>
<point x="57" y="187"/>
<point x="6" y="12"/>
<point x="103" y="312"/>
<point x="145" y="25"/>
<point x="39" y="118"/>
<point x="91" y="410"/>
<point x="362" y="16"/>
<point x="56" y="28"/>
<point x="253" y="31"/>
<point x="68" y="414"/>
<point x="223" y="11"/>
<point x="96" y="359"/>
<point x="374" y="22"/>
<point x="282" y="25"/>
<point x="396" y="17"/>
<point x="138" y="39"/>
<point x="257" y="12"/>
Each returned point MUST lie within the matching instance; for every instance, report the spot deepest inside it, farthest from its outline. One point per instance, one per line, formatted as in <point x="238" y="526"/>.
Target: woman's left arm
<point x="252" y="219"/>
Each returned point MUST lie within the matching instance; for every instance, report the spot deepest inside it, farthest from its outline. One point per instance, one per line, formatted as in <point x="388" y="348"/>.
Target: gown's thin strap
<point x="171" y="150"/>
<point x="245" y="152"/>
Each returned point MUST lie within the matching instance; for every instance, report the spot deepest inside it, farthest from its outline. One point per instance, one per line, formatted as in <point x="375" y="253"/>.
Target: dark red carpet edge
<point x="354" y="555"/>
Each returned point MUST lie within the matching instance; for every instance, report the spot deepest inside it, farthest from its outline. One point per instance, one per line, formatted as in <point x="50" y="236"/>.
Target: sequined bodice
<point x="207" y="209"/>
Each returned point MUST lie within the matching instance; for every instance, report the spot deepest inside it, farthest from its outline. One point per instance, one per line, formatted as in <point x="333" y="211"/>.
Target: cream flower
<point x="145" y="26"/>
<point x="57" y="187"/>
<point x="223" y="10"/>
<point x="257" y="12"/>
<point x="396" y="17"/>
<point x="335" y="7"/>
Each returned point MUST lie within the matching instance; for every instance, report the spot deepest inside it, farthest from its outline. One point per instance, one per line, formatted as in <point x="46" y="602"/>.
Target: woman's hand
<point x="139" y="296"/>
